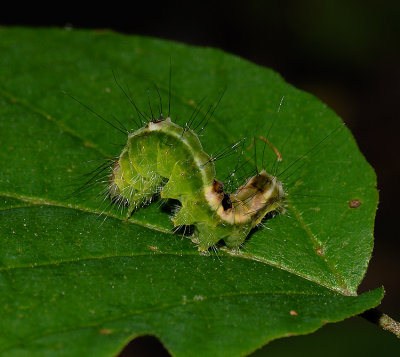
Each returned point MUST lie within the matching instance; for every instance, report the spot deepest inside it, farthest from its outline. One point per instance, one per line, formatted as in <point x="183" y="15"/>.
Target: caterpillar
<point x="166" y="159"/>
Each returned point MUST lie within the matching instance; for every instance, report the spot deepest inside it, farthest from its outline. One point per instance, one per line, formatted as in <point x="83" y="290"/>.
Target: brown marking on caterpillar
<point x="218" y="187"/>
<point x="226" y="202"/>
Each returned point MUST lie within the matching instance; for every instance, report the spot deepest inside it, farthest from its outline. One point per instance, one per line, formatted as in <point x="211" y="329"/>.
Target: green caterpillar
<point x="164" y="158"/>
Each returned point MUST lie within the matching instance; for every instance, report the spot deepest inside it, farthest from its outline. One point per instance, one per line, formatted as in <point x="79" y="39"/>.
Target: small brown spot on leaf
<point x="293" y="313"/>
<point x="153" y="248"/>
<point x="355" y="203"/>
<point x="319" y="251"/>
<point x="105" y="332"/>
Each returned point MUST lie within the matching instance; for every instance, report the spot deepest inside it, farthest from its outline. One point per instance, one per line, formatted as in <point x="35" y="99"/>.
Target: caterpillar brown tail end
<point x="165" y="158"/>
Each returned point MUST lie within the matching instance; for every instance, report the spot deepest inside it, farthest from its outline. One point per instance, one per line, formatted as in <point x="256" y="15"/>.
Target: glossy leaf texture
<point x="77" y="279"/>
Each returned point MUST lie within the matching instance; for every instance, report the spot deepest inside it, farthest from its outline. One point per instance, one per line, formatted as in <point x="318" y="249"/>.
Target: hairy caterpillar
<point x="164" y="158"/>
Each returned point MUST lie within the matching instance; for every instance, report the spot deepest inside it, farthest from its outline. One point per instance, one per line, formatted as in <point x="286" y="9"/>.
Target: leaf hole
<point x="144" y="346"/>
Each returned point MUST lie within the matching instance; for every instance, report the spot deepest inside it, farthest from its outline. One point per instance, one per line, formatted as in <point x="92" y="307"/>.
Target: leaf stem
<point x="384" y="321"/>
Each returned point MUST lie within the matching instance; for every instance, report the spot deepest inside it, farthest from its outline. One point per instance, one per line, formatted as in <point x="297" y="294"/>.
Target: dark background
<point x="347" y="53"/>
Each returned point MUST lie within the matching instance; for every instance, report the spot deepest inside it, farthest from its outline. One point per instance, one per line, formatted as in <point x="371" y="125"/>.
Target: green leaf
<point x="77" y="279"/>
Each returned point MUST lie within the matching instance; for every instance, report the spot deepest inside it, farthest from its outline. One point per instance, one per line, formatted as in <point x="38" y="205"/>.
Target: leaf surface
<point x="78" y="279"/>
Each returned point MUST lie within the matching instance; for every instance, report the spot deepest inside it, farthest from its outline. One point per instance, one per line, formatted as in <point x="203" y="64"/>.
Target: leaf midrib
<point x="194" y="253"/>
<point x="36" y="201"/>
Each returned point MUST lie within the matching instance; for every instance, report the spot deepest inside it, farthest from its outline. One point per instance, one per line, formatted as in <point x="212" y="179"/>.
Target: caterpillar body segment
<point x="164" y="158"/>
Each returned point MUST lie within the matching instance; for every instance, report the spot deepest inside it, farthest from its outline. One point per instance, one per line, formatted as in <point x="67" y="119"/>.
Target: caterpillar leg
<point x="207" y="235"/>
<point x="237" y="237"/>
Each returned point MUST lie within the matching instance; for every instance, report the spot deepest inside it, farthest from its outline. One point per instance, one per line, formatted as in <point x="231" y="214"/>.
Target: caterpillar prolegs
<point x="164" y="158"/>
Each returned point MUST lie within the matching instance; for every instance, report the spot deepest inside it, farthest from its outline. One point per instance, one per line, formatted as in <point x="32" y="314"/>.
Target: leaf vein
<point x="316" y="245"/>
<point x="98" y="324"/>
<point x="14" y="100"/>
